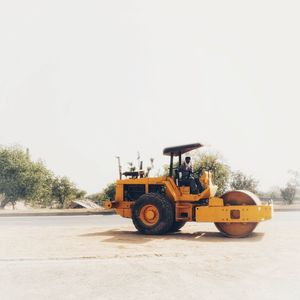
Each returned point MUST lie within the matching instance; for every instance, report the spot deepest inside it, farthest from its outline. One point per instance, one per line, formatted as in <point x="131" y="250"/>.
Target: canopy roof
<point x="177" y="150"/>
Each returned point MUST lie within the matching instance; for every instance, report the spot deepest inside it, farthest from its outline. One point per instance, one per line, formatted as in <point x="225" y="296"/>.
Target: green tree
<point x="240" y="181"/>
<point x="213" y="163"/>
<point x="22" y="178"/>
<point x="64" y="191"/>
<point x="38" y="185"/>
<point x="288" y="193"/>
<point x="108" y="193"/>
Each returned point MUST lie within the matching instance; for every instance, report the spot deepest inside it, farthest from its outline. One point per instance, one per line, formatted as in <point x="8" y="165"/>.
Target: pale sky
<point x="84" y="81"/>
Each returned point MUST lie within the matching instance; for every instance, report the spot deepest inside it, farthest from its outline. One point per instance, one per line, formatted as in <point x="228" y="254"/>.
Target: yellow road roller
<point x="160" y="205"/>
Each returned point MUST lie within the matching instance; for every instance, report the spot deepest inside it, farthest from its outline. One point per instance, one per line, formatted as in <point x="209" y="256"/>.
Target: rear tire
<point x="177" y="225"/>
<point x="153" y="214"/>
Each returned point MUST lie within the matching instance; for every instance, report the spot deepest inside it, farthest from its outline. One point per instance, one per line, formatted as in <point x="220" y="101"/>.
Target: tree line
<point x="23" y="178"/>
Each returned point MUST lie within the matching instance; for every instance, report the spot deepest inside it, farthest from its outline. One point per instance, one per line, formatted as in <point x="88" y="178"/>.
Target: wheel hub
<point x="149" y="215"/>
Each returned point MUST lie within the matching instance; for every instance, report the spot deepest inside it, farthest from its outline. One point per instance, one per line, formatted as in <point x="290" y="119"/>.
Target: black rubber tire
<point x="177" y="225"/>
<point x="166" y="214"/>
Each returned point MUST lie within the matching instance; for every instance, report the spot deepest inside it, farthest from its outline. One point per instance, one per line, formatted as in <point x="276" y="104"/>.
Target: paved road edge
<point x="57" y="213"/>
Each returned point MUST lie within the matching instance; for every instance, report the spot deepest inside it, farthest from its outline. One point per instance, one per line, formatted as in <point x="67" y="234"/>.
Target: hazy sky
<point x="84" y="81"/>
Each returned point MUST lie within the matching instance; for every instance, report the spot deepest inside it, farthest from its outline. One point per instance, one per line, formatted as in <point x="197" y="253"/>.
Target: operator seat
<point x="179" y="181"/>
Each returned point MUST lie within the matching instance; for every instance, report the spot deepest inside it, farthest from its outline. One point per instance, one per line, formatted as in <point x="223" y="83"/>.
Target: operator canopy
<point x="178" y="150"/>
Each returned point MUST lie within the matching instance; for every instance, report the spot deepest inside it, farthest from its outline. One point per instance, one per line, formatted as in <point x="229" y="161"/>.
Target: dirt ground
<point x="80" y="260"/>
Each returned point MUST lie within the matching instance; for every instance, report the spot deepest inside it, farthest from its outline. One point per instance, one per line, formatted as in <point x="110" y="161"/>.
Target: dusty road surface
<point x="102" y="257"/>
